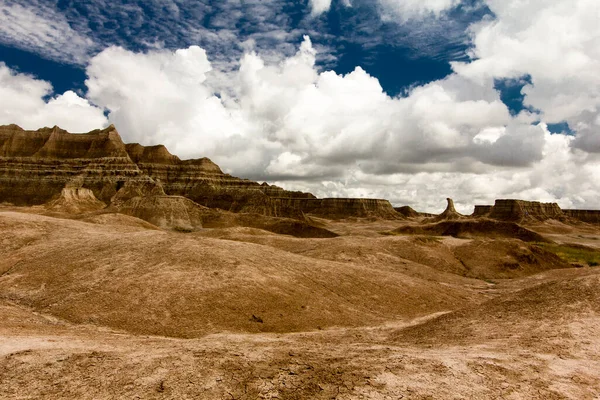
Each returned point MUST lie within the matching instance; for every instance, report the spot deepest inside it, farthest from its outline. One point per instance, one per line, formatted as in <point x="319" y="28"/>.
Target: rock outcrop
<point x="336" y="208"/>
<point x="167" y="212"/>
<point x="482" y="211"/>
<point x="449" y="214"/>
<point x="521" y="210"/>
<point x="75" y="200"/>
<point x="202" y="181"/>
<point x="35" y="167"/>
<point x="407" y="212"/>
<point x="589" y="216"/>
<point x="533" y="211"/>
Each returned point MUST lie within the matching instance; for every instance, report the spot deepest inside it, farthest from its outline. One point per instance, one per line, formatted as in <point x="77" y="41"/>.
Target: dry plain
<point x="104" y="305"/>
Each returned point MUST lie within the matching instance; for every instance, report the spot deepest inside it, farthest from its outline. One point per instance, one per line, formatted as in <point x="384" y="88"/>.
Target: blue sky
<point x="349" y="36"/>
<point x="403" y="99"/>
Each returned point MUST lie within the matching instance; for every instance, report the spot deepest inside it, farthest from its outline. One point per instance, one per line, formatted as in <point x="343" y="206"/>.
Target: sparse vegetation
<point x="574" y="253"/>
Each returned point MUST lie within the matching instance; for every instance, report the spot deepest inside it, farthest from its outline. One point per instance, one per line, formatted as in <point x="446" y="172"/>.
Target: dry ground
<point x="109" y="306"/>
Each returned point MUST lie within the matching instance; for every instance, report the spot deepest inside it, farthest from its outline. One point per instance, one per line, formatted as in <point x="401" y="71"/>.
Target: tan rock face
<point x="517" y="210"/>
<point x="482" y="211"/>
<point x="202" y="181"/>
<point x="36" y="165"/>
<point x="340" y="208"/>
<point x="75" y="200"/>
<point x="589" y="216"/>
<point x="449" y="214"/>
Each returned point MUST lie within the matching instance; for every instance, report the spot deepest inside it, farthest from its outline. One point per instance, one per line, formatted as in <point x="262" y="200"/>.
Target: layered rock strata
<point x="519" y="210"/>
<point x="589" y="216"/>
<point x="202" y="181"/>
<point x="482" y="211"/>
<point x="337" y="208"/>
<point x="35" y="166"/>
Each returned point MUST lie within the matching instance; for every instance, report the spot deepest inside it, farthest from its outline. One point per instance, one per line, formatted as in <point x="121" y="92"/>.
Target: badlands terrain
<point x="126" y="272"/>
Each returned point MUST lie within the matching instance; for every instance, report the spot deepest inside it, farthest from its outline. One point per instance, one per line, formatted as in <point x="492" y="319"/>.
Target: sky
<point x="408" y="100"/>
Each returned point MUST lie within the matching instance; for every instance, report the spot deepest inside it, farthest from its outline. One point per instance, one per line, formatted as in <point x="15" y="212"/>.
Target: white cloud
<point x="41" y="29"/>
<point x="341" y="135"/>
<point x="407" y="9"/>
<point x="279" y="118"/>
<point x="556" y="43"/>
<point x="22" y="102"/>
<point x="320" y="6"/>
<point x="162" y="97"/>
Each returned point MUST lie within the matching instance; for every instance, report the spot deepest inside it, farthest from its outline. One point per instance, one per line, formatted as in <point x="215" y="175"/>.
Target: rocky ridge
<point x="35" y="167"/>
<point x="589" y="216"/>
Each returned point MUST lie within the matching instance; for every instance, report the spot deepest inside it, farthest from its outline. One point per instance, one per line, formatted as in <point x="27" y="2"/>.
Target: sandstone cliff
<point x="589" y="216"/>
<point x="337" y="208"/>
<point x="202" y="181"/>
<point x="35" y="166"/>
<point x="520" y="210"/>
<point x="482" y="211"/>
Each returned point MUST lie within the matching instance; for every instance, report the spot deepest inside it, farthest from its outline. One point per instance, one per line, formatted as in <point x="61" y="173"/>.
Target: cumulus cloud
<point x="23" y="102"/>
<point x="162" y="97"/>
<point x="340" y="135"/>
<point x="320" y="6"/>
<point x="284" y="120"/>
<point x="555" y="43"/>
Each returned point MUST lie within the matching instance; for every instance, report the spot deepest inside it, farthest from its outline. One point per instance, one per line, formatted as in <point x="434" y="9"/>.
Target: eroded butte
<point x="126" y="272"/>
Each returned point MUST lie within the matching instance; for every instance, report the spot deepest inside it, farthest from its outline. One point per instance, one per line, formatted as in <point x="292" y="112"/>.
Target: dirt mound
<point x="167" y="212"/>
<point x="75" y="200"/>
<point x="163" y="283"/>
<point x="536" y="311"/>
<point x="282" y="226"/>
<point x="407" y="211"/>
<point x="505" y="259"/>
<point x="119" y="221"/>
<point x="474" y="228"/>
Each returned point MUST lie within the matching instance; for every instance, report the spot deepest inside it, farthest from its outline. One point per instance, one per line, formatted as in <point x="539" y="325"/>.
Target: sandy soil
<point x="111" y="307"/>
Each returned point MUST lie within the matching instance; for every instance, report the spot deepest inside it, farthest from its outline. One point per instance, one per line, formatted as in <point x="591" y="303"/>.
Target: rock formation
<point x="202" y="181"/>
<point x="339" y="208"/>
<point x="482" y="211"/>
<point x="35" y="167"/>
<point x="74" y="200"/>
<point x="167" y="212"/>
<point x="533" y="211"/>
<point x="407" y="211"/>
<point x="449" y="214"/>
<point x="589" y="216"/>
<point x="520" y="210"/>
